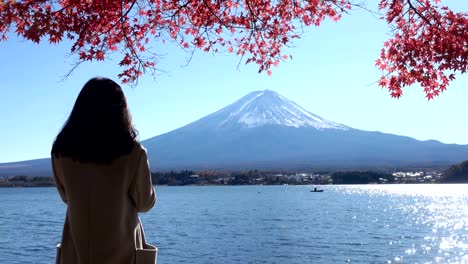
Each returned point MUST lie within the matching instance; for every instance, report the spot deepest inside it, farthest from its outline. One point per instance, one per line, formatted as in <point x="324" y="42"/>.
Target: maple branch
<point x="63" y="8"/>
<point x="412" y="7"/>
<point x="121" y="17"/>
<point x="176" y="13"/>
<point x="240" y="60"/>
<point x="363" y="7"/>
<point x="342" y="9"/>
<point x="189" y="60"/>
<point x="126" y="39"/>
<point x="254" y="16"/>
<point x="214" y="14"/>
<point x="209" y="39"/>
<point x="219" y="19"/>
<point x="75" y="66"/>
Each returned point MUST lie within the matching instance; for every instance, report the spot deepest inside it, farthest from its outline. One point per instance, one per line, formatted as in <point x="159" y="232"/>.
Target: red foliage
<point x="429" y="45"/>
<point x="429" y="42"/>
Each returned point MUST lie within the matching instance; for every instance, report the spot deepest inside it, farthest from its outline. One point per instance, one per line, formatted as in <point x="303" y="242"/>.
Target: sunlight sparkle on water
<point x="442" y="208"/>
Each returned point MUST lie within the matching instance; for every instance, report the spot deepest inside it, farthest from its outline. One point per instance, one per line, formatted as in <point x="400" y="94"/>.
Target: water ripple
<point x="285" y="224"/>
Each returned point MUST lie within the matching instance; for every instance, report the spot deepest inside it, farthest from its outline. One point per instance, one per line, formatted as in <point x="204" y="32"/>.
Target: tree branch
<point x="412" y="7"/>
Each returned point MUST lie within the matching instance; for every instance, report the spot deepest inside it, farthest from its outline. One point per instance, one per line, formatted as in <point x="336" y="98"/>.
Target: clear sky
<point x="332" y="74"/>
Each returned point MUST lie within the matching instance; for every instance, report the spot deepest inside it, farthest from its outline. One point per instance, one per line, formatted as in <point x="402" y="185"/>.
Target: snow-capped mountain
<point x="259" y="109"/>
<point x="266" y="130"/>
<point x="267" y="107"/>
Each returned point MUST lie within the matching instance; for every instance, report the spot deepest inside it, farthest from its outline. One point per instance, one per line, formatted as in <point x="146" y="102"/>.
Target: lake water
<point x="266" y="224"/>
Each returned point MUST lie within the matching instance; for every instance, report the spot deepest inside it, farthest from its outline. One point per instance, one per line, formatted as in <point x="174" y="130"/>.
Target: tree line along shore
<point x="455" y="174"/>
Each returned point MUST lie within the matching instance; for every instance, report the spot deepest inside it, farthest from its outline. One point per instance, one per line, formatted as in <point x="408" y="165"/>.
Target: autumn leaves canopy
<point x="429" y="42"/>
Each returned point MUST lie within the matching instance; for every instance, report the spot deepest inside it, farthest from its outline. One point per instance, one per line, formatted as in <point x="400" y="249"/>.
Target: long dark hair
<point x="99" y="128"/>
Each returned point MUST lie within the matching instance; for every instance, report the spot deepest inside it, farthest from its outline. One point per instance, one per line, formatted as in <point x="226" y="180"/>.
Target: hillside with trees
<point x="456" y="174"/>
<point x="361" y="177"/>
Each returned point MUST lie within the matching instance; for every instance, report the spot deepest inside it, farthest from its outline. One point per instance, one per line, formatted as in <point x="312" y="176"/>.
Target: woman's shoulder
<point x="139" y="149"/>
<point x="136" y="153"/>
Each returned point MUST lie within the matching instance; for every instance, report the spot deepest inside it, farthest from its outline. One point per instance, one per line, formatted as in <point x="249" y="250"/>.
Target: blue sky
<point x="332" y="74"/>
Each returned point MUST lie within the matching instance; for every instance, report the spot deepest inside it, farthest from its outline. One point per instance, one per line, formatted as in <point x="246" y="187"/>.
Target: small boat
<point x="316" y="190"/>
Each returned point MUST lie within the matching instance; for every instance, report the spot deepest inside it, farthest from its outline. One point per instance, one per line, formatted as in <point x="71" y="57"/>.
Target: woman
<point x="103" y="176"/>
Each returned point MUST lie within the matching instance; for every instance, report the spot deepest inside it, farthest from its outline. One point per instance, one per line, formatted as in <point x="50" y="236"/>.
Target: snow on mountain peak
<point x="267" y="107"/>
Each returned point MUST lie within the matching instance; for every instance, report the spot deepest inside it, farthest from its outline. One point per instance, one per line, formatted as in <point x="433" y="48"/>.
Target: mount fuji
<point x="263" y="108"/>
<point x="265" y="130"/>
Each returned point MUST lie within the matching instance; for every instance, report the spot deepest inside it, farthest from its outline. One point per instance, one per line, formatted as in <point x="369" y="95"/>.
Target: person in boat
<point x="103" y="176"/>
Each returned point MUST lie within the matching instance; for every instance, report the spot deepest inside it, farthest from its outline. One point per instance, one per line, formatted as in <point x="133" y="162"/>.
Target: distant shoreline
<point x="256" y="177"/>
<point x="52" y="184"/>
<point x="26" y="182"/>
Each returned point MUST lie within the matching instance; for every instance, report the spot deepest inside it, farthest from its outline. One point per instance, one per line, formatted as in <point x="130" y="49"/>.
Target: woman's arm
<point x="58" y="183"/>
<point x="141" y="189"/>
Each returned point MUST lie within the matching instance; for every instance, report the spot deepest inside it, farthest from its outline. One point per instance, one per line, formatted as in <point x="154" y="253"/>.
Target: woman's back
<point x="103" y="201"/>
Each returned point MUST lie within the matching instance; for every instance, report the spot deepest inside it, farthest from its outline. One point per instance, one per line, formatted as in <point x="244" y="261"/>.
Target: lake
<point x="266" y="224"/>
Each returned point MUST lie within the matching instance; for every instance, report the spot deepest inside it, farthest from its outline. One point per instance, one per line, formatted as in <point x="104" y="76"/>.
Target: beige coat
<point x="102" y="206"/>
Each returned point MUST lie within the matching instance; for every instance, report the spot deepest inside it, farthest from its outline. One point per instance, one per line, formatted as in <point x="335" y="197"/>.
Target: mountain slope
<point x="266" y="130"/>
<point x="37" y="167"/>
<point x="283" y="147"/>
<point x="266" y="108"/>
